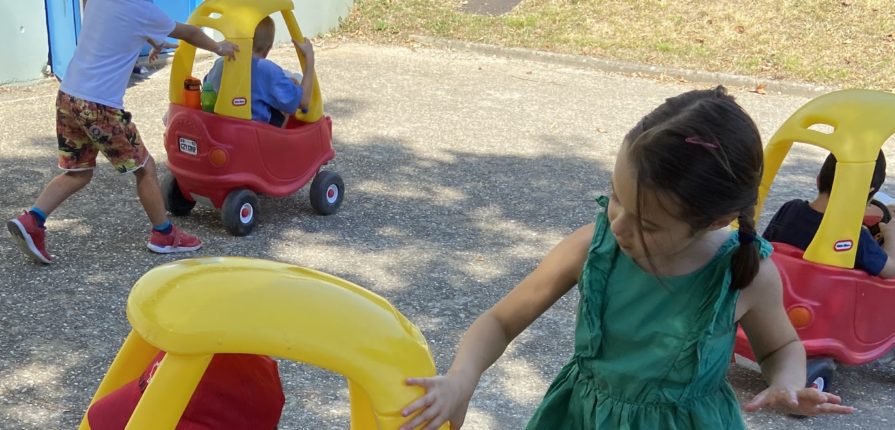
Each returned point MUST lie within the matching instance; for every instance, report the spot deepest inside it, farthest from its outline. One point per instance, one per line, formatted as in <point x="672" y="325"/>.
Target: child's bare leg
<point x="150" y="193"/>
<point x="61" y="188"/>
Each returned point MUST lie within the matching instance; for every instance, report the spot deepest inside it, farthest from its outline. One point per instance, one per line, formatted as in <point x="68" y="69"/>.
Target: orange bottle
<point x="192" y="91"/>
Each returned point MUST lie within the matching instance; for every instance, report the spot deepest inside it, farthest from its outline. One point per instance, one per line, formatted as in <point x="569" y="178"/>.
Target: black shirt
<point x="796" y="223"/>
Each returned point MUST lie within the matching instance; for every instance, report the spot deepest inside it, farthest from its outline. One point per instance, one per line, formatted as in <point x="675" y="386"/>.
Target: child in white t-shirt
<point x="90" y="118"/>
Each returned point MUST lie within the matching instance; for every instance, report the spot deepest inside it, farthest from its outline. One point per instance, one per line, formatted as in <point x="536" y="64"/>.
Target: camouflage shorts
<point x="86" y="128"/>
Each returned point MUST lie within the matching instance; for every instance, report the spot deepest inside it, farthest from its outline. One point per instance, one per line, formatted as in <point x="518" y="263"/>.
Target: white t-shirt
<point x="112" y="34"/>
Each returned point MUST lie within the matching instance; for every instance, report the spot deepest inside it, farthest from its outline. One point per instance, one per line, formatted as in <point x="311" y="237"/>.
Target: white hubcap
<point x="246" y="213"/>
<point x="819" y="383"/>
<point x="332" y="193"/>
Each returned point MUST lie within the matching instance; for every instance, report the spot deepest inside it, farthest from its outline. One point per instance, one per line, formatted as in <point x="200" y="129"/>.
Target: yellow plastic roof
<point x="236" y="18"/>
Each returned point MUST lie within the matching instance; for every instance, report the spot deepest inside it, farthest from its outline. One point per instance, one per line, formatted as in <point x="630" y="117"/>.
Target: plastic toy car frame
<point x="224" y="157"/>
<point x="195" y="308"/>
<point x="841" y="314"/>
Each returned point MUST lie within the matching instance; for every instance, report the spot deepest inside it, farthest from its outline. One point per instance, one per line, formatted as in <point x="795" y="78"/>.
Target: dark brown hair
<point x="828" y="173"/>
<point x="703" y="151"/>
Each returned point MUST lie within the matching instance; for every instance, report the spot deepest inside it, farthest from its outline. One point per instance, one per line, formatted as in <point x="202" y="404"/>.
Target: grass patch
<point x="849" y="43"/>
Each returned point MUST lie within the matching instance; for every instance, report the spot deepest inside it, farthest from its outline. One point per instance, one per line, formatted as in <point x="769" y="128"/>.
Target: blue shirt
<point x="272" y="89"/>
<point x="796" y="223"/>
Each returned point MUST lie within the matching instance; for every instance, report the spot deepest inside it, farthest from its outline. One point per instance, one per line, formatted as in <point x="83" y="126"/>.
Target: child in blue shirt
<point x="797" y="221"/>
<point x="275" y="93"/>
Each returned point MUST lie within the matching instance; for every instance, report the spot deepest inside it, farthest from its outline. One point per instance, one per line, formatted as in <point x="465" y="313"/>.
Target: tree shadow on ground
<point x="441" y="235"/>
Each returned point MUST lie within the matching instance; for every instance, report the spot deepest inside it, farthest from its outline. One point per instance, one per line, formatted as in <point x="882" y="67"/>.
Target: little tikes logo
<point x="843" y="245"/>
<point x="239" y="101"/>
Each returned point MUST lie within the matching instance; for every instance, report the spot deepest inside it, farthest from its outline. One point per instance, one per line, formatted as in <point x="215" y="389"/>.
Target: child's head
<point x="828" y="173"/>
<point x="263" y="39"/>
<point x="690" y="166"/>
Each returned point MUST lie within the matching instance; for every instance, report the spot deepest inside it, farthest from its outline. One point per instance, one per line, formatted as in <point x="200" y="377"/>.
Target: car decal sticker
<point x="843" y="245"/>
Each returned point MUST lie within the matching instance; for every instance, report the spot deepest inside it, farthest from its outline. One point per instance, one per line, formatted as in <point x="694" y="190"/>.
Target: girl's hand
<point x="806" y="402"/>
<point x="446" y="399"/>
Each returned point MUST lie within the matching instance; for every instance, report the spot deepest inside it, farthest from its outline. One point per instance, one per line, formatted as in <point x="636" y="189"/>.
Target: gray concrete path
<point x="461" y="170"/>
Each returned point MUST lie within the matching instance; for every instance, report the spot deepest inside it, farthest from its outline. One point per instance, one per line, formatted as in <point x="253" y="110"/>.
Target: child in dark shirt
<point x="797" y="221"/>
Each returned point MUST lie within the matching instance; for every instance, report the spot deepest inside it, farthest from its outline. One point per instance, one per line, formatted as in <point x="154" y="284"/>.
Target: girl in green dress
<point x="663" y="284"/>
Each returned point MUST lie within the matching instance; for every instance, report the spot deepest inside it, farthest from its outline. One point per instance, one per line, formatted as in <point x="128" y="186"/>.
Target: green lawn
<point x="849" y="43"/>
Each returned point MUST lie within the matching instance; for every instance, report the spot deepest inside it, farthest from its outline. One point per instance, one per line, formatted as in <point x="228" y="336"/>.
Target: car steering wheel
<point x="874" y="228"/>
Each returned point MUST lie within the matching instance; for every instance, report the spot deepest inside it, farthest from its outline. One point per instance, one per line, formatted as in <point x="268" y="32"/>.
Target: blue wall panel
<point x="63" y="25"/>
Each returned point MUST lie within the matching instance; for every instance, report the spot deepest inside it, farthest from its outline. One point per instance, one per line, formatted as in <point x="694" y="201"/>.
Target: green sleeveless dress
<point x="649" y="354"/>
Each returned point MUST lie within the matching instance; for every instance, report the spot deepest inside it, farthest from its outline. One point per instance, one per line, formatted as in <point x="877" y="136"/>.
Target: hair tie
<point x="745" y="237"/>
<point x="696" y="140"/>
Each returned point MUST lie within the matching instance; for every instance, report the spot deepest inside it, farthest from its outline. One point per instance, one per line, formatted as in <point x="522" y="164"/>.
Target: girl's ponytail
<point x="745" y="260"/>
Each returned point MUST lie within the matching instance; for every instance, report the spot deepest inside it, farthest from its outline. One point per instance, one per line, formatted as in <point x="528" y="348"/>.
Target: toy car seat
<point x="193" y="309"/>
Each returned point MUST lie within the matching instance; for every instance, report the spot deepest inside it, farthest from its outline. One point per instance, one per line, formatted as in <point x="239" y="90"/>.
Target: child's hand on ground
<point x="806" y="402"/>
<point x="306" y="48"/>
<point x="227" y="49"/>
<point x="446" y="399"/>
<point x="158" y="48"/>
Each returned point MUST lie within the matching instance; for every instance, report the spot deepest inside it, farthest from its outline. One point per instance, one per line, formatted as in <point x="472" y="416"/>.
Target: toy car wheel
<point x="327" y="190"/>
<point x="240" y="212"/>
<point x="820" y="373"/>
<point x="175" y="201"/>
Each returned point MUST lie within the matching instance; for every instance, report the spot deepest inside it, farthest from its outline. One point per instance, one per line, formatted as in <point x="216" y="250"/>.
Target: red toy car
<point x="228" y="161"/>
<point x="226" y="158"/>
<point x="841" y="314"/>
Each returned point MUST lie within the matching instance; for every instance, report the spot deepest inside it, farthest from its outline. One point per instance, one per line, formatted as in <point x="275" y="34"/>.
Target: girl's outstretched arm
<point x="779" y="351"/>
<point x="447" y="397"/>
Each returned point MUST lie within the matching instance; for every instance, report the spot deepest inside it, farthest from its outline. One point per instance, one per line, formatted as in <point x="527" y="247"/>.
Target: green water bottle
<point x="209" y="97"/>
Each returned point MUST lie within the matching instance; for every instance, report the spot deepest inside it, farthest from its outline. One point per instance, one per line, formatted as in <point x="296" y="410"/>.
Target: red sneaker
<point x="29" y="237"/>
<point x="176" y="241"/>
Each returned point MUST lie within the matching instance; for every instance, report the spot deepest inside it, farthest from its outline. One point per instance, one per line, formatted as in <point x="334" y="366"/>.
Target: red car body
<point x="844" y="314"/>
<point x="211" y="155"/>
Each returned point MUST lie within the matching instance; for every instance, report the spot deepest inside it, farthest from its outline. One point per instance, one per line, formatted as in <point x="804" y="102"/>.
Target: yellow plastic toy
<point x="862" y="121"/>
<point x="196" y="308"/>
<point x="224" y="157"/>
<point x="236" y="20"/>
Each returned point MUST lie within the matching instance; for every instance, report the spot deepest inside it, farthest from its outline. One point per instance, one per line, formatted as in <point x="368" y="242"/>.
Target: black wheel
<point x="175" y="201"/>
<point x="240" y="212"/>
<point x="327" y="190"/>
<point x="820" y="373"/>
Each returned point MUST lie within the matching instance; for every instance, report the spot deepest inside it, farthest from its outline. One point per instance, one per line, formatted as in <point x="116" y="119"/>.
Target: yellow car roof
<point x="861" y="122"/>
<point x="236" y="18"/>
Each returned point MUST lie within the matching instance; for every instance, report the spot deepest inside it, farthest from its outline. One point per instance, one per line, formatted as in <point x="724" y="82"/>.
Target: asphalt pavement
<point x="461" y="169"/>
